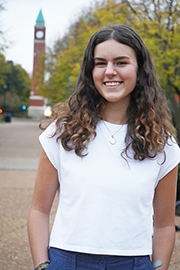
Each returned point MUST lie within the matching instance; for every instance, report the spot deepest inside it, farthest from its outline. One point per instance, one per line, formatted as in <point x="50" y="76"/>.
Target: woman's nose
<point x="110" y="69"/>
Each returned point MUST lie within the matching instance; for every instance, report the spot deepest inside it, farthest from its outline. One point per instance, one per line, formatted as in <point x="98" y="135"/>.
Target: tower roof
<point x="40" y="20"/>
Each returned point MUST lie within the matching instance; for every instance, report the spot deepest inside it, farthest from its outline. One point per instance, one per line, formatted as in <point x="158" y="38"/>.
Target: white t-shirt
<point x="105" y="202"/>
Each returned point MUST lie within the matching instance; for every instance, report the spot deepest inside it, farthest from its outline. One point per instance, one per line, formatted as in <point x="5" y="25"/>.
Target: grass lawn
<point x="1" y="119"/>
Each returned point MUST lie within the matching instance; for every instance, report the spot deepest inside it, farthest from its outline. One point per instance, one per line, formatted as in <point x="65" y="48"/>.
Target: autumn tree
<point x="159" y="25"/>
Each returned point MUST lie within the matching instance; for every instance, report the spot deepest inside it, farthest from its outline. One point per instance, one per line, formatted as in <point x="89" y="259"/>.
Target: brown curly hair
<point x="149" y="118"/>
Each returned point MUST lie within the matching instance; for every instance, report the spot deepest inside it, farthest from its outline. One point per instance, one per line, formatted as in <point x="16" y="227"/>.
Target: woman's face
<point x="115" y="71"/>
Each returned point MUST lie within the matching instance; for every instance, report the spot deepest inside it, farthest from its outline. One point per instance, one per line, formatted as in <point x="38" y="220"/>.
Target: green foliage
<point x="4" y="69"/>
<point x="1" y="119"/>
<point x="160" y="29"/>
<point x="15" y="88"/>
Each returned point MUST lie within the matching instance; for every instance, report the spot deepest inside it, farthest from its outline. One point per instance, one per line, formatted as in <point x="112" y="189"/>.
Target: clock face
<point x="39" y="34"/>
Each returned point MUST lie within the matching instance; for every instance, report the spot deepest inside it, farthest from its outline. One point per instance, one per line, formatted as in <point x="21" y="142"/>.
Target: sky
<point x="19" y="18"/>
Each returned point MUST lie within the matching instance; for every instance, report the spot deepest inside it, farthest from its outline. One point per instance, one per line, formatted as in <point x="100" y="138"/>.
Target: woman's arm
<point x="164" y="215"/>
<point x="45" y="189"/>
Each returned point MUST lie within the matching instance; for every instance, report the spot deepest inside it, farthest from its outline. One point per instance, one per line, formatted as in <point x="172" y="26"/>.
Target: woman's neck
<point x="114" y="114"/>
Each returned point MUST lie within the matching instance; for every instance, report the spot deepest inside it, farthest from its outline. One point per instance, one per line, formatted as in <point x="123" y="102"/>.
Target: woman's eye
<point x="100" y="64"/>
<point x="121" y="63"/>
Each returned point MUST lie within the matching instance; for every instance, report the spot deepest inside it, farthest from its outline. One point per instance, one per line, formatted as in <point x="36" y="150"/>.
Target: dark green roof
<point x="40" y="20"/>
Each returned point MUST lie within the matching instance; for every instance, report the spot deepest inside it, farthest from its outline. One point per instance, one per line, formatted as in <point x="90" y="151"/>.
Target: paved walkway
<point x="19" y="153"/>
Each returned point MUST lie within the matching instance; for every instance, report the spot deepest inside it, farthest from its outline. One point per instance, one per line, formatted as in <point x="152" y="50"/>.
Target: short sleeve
<point x="50" y="145"/>
<point x="172" y="158"/>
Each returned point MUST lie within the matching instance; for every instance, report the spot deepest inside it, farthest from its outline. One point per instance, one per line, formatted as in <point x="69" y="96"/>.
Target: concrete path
<point x="19" y="153"/>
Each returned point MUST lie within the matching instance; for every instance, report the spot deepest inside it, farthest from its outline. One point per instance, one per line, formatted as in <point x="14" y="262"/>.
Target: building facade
<point x="37" y="106"/>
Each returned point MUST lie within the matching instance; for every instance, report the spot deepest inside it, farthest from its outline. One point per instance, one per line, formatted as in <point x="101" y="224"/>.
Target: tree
<point x="15" y="90"/>
<point x="4" y="70"/>
<point x="3" y="42"/>
<point x="159" y="26"/>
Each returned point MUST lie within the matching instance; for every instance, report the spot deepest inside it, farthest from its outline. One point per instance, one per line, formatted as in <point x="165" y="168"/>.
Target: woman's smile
<point x="112" y="84"/>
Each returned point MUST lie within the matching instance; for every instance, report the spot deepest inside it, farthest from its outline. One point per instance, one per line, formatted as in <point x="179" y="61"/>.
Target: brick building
<point x="37" y="106"/>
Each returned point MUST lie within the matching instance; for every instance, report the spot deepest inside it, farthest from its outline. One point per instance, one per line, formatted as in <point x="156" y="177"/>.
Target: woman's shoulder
<point x="172" y="144"/>
<point x="171" y="153"/>
<point x="52" y="130"/>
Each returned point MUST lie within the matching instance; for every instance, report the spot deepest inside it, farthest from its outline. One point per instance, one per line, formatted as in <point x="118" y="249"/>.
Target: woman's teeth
<point x="112" y="83"/>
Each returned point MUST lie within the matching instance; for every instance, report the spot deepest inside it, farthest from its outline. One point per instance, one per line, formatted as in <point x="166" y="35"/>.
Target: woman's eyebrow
<point x="121" y="57"/>
<point x="116" y="58"/>
<point x="99" y="58"/>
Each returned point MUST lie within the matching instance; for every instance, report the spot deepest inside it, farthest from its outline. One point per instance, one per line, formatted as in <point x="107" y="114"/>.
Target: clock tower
<point x="37" y="107"/>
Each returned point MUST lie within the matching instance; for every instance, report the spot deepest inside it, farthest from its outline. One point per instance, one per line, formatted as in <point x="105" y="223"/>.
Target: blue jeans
<point x="68" y="260"/>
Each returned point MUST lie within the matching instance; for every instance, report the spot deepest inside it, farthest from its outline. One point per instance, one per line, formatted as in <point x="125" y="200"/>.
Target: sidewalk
<point x="19" y="154"/>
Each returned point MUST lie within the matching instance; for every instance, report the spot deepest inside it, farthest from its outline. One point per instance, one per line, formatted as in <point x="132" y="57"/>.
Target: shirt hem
<point x="100" y="251"/>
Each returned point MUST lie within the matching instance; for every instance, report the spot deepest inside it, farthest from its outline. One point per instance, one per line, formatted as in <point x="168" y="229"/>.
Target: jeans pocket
<point x="143" y="263"/>
<point x="151" y="267"/>
<point x="53" y="265"/>
<point x="61" y="259"/>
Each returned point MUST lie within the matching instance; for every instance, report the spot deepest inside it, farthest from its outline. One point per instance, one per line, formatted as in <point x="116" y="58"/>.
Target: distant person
<point x="111" y="156"/>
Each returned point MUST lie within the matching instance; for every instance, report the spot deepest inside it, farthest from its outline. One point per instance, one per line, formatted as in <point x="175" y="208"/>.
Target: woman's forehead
<point x="113" y="48"/>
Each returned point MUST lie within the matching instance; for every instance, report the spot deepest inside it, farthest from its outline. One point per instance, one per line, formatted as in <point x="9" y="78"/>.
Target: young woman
<point x="111" y="156"/>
